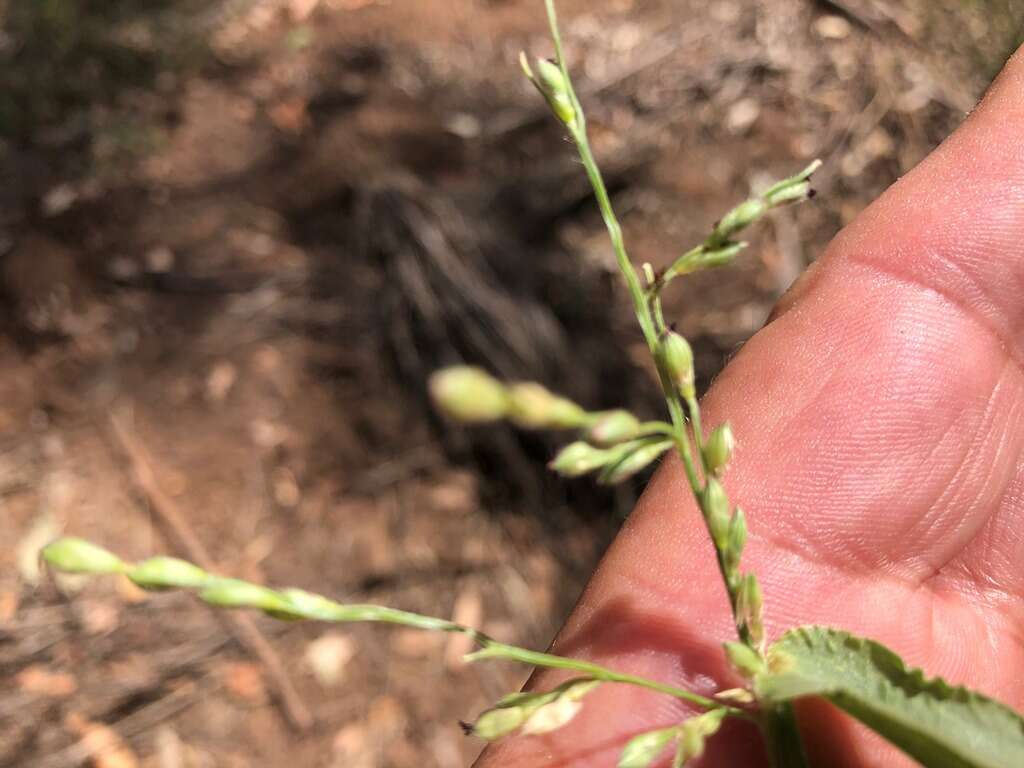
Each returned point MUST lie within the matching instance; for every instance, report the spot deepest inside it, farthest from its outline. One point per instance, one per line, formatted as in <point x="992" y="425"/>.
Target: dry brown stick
<point x="853" y="13"/>
<point x="85" y="751"/>
<point x="181" y="536"/>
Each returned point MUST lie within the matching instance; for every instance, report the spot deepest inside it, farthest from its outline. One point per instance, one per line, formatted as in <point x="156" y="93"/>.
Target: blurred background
<point x="237" y="235"/>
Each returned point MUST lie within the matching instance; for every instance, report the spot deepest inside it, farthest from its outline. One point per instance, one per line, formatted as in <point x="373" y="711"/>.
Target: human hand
<point x="880" y="461"/>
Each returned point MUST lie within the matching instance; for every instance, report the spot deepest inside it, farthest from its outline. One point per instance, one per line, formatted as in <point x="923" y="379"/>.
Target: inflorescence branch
<point x="703" y="461"/>
<point x="614" y="444"/>
<point x="73" y="555"/>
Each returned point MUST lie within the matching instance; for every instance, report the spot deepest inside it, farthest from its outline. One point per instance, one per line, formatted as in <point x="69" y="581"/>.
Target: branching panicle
<point x="613" y="444"/>
<point x="72" y="555"/>
<point x="616" y="444"/>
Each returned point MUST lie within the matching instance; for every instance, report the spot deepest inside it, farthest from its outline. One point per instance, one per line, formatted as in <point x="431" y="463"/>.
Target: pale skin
<point x="879" y="418"/>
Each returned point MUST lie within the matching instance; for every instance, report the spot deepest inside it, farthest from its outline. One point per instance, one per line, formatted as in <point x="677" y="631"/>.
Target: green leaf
<point x="939" y="725"/>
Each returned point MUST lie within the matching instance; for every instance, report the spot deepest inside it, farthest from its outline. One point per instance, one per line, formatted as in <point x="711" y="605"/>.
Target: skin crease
<point x="880" y="462"/>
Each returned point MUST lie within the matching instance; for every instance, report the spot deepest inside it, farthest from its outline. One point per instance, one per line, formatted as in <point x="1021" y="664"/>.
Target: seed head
<point x="73" y="555"/>
<point x="167" y="573"/>
<point x="715" y="506"/>
<point x="744" y="659"/>
<point x="553" y="716"/>
<point x="737" y="539"/>
<point x="677" y="359"/>
<point x="749" y="607"/>
<point x="718" y="448"/>
<point x="469" y="394"/>
<point x="234" y="593"/>
<point x="694" y="732"/>
<point x="534" y="713"/>
<point x="498" y="722"/>
<point x="566" y="705"/>
<point x="613" y="427"/>
<point x="311" y="606"/>
<point x="740" y="217"/>
<point x="633" y="460"/>
<point x="531" y="406"/>
<point x="549" y="80"/>
<point x="642" y="750"/>
<point x="691" y="742"/>
<point x="579" y="458"/>
<point x="793" y="189"/>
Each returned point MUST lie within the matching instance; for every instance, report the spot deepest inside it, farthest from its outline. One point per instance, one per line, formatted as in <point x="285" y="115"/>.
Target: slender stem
<point x="492" y="649"/>
<point x="77" y="556"/>
<point x="698" y="434"/>
<point x="323" y="609"/>
<point x="604" y="203"/>
<point x="654" y="300"/>
<point x="496" y="650"/>
<point x="731" y="587"/>
<point x="646" y="305"/>
<point x="782" y="737"/>
<point x="658" y="315"/>
<point x="640" y="304"/>
<point x="670" y="272"/>
<point x="656" y="428"/>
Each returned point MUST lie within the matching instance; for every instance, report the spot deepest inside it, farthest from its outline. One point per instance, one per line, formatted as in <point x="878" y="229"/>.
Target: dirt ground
<point x="235" y="237"/>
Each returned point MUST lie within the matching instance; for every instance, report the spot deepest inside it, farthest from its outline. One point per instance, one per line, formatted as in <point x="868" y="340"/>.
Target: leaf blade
<point x="934" y="722"/>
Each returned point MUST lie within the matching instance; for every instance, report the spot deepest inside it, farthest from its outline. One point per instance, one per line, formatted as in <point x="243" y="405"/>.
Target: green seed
<point x="532" y="406"/>
<point x="740" y="217"/>
<point x="167" y="573"/>
<point x="614" y="427"/>
<point x="677" y="359"/>
<point x="552" y="85"/>
<point x="744" y="659"/>
<point x="469" y="394"/>
<point x="234" y="593"/>
<point x="737" y="540"/>
<point x="715" y="505"/>
<point x="634" y="461"/>
<point x="718" y="448"/>
<point x="579" y="458"/>
<point x="73" y="555"/>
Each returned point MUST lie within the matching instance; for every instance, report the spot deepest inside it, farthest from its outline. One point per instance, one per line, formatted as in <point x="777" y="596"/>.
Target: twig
<point x="852" y="13"/>
<point x="114" y="698"/>
<point x="138" y="722"/>
<point x="391" y="472"/>
<point x="180" y="534"/>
